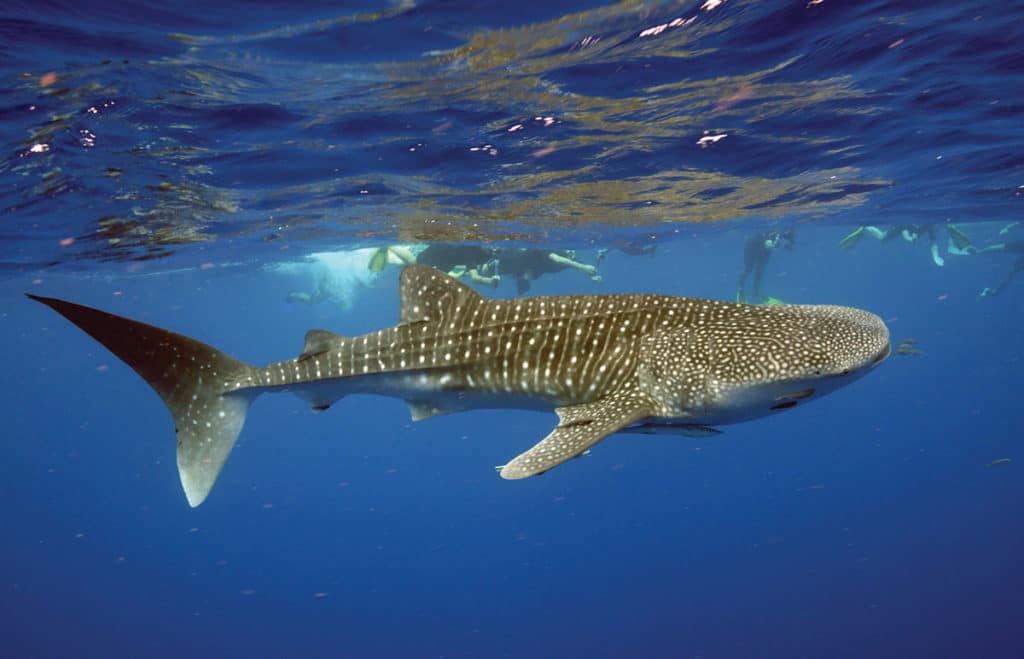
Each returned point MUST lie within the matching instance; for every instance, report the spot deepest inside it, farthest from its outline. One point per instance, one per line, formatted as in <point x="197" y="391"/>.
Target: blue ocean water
<point x="193" y="165"/>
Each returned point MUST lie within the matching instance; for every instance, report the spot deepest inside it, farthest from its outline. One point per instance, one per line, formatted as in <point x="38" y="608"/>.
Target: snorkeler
<point x="1015" y="247"/>
<point x="959" y="243"/>
<point x="526" y="265"/>
<point x="756" y="252"/>
<point x="472" y="261"/>
<point x="645" y="246"/>
<point x="341" y="276"/>
<point x="1018" y="267"/>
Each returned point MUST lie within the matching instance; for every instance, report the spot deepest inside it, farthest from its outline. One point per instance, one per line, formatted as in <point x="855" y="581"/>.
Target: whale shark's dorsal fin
<point x="427" y="294"/>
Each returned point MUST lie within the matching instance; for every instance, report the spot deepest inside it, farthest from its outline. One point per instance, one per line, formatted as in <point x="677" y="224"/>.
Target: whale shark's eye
<point x="784" y="406"/>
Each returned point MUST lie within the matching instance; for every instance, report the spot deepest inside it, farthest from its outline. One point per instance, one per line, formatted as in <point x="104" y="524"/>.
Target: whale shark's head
<point x="802" y="353"/>
<point x="771" y="358"/>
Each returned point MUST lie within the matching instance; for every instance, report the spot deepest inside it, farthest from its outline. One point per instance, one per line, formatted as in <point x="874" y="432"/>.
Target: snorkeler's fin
<point x="958" y="237"/>
<point x="772" y="300"/>
<point x="378" y="260"/>
<point x="851" y="238"/>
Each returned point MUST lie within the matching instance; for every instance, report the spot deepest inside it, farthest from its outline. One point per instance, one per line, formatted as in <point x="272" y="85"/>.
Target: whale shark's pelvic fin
<point x="207" y="392"/>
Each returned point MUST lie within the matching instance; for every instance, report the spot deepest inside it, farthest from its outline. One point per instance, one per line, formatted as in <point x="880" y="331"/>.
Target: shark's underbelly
<point x="442" y="389"/>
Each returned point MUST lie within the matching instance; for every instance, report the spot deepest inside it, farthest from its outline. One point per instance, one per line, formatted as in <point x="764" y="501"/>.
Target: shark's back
<point x="565" y="349"/>
<point x="571" y="349"/>
<point x="578" y="348"/>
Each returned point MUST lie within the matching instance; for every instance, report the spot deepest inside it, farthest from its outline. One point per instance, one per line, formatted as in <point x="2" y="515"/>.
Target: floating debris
<point x="1000" y="462"/>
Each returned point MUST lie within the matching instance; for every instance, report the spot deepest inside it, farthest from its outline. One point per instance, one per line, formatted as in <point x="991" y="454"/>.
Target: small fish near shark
<point x="604" y="363"/>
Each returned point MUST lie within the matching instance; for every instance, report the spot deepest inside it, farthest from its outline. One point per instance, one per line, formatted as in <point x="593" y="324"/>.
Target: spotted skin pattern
<point x="604" y="363"/>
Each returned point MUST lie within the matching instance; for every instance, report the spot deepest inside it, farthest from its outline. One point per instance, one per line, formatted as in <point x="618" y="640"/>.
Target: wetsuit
<point x="446" y="257"/>
<point x="755" y="258"/>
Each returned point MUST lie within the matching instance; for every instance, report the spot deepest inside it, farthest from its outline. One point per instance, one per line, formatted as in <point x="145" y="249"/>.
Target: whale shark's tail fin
<point x="207" y="392"/>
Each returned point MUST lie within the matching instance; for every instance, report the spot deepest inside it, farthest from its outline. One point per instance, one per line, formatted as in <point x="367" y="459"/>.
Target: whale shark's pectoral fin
<point x="580" y="427"/>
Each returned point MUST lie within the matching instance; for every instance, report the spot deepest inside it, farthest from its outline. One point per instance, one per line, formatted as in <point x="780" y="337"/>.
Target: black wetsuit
<point x="526" y="265"/>
<point x="755" y="258"/>
<point x="446" y="257"/>
<point x="896" y="231"/>
<point x="1015" y="247"/>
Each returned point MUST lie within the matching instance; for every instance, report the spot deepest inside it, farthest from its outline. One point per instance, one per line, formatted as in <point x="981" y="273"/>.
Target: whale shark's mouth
<point x="880" y="357"/>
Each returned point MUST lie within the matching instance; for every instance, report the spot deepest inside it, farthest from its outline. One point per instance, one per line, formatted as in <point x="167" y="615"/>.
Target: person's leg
<point x="998" y="247"/>
<point x="1017" y="268"/>
<point x="755" y="288"/>
<point x="476" y="277"/>
<point x="1005" y="281"/>
<point x="589" y="270"/>
<point x="741" y="295"/>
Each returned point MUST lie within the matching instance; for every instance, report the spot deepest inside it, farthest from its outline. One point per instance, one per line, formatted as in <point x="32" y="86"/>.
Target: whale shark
<point x="605" y="364"/>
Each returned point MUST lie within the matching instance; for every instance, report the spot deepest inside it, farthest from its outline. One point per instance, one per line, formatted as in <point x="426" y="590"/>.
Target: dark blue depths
<point x="871" y="523"/>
